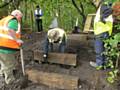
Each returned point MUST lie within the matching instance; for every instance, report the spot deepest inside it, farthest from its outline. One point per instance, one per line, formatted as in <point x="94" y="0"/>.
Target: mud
<point x="90" y="79"/>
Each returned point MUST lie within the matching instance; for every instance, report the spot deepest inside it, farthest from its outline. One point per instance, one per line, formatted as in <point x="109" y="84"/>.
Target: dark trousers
<point x="49" y="47"/>
<point x="99" y="48"/>
<point x="39" y="25"/>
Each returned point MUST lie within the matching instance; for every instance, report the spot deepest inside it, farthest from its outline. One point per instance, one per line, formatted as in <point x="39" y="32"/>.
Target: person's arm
<point x="40" y="12"/>
<point x="62" y="36"/>
<point x="13" y="27"/>
<point x="46" y="48"/>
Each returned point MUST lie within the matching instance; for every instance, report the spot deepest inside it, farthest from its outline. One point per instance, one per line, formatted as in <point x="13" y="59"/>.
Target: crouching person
<point x="54" y="36"/>
<point x="9" y="43"/>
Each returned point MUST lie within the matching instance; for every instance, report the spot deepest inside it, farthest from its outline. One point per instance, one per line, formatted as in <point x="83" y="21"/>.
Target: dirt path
<point x="90" y="79"/>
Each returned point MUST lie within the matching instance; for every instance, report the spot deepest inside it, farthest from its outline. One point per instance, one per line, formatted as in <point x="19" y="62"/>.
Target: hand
<point x="60" y="42"/>
<point x="45" y="56"/>
<point x="19" y="41"/>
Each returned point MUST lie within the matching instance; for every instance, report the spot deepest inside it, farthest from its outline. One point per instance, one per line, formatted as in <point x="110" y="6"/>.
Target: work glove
<point x="45" y="57"/>
<point x="19" y="41"/>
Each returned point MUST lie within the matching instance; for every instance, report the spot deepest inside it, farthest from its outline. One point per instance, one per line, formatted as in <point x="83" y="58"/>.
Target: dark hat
<point x="108" y="2"/>
<point x="105" y="11"/>
<point x="37" y="6"/>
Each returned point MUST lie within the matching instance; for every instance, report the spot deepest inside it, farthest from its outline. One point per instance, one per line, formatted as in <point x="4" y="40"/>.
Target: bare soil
<point x="90" y="79"/>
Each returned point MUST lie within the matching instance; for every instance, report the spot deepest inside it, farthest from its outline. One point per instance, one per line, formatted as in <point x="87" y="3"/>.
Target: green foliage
<point x="112" y="54"/>
<point x="112" y="76"/>
<point x="67" y="13"/>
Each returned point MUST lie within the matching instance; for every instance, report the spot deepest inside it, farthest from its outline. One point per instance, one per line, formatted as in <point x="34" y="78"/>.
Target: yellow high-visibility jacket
<point x="100" y="27"/>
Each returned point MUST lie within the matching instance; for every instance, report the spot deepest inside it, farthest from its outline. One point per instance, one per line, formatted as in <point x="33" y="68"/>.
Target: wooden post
<point x="87" y="27"/>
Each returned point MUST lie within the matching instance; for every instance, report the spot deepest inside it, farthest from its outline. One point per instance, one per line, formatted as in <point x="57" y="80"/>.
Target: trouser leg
<point x="51" y="47"/>
<point x="38" y="26"/>
<point x="9" y="77"/>
<point x="99" y="48"/>
<point x="46" y="46"/>
<point x="8" y="64"/>
<point x="1" y="71"/>
<point x="62" y="47"/>
<point x="41" y="27"/>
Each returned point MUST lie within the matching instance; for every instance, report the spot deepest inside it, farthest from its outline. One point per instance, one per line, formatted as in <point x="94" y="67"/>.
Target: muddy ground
<point x="90" y="79"/>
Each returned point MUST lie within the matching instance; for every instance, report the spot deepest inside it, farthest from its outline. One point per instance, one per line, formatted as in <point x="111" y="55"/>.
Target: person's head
<point x="37" y="6"/>
<point x="54" y="36"/>
<point x="108" y="2"/>
<point x="106" y="9"/>
<point x="18" y="14"/>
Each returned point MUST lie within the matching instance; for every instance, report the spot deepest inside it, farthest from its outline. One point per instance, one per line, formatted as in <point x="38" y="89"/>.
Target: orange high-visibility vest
<point x="7" y="40"/>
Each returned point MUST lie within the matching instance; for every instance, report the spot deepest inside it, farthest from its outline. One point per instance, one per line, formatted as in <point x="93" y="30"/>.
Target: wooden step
<point x="77" y="37"/>
<point x="59" y="58"/>
<point x="76" y="40"/>
<point x="83" y="37"/>
<point x="53" y="79"/>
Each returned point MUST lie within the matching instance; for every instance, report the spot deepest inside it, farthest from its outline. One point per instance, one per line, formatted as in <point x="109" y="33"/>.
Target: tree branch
<point x="5" y="4"/>
<point x="80" y="10"/>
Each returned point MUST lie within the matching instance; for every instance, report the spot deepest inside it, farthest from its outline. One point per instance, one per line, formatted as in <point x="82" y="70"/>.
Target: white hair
<point x="15" y="12"/>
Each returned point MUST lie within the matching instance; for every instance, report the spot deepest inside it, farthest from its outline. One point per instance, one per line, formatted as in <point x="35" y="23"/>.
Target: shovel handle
<point x="22" y="61"/>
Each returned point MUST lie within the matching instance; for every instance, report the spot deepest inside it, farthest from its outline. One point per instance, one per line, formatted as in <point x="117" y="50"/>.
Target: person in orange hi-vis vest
<point x="10" y="42"/>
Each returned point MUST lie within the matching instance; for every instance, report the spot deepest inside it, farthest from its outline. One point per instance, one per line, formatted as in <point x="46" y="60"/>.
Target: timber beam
<point x="85" y="39"/>
<point x="80" y="37"/>
<point x="60" y="81"/>
<point x="59" y="58"/>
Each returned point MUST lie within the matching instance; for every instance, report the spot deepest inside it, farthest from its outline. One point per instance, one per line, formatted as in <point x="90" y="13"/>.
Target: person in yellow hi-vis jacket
<point x="103" y="24"/>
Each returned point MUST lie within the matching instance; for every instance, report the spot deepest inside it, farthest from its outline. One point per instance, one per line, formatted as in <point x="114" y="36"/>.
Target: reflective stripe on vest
<point x="100" y="27"/>
<point x="6" y="40"/>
